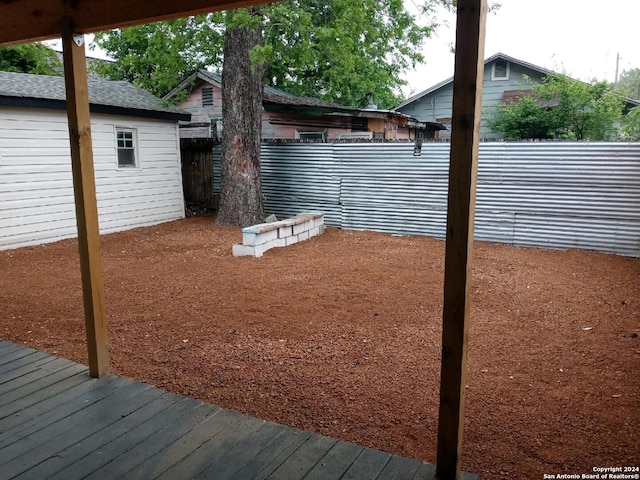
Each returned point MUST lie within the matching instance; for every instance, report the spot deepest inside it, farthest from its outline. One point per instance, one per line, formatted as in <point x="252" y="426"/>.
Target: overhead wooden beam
<point x="465" y="136"/>
<point x="32" y="20"/>
<point x="84" y="187"/>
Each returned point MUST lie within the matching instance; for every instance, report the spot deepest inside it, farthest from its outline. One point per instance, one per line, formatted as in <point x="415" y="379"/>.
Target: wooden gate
<point x="197" y="172"/>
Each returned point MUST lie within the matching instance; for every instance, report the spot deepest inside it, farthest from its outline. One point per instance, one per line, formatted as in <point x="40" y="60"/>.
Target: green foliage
<point x="631" y="125"/>
<point x="524" y="119"/>
<point x="158" y="56"/>
<point x="32" y="58"/>
<point x="629" y="83"/>
<point x="335" y="50"/>
<point x="339" y="50"/>
<point x="562" y="108"/>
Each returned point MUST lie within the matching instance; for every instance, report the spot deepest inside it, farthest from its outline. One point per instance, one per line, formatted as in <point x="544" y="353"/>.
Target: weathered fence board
<point x="197" y="172"/>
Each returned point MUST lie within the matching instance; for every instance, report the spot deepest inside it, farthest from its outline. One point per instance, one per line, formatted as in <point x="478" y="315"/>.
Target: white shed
<point x="136" y="150"/>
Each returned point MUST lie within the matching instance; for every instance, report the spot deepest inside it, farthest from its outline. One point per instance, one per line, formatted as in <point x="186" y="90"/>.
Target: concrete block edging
<point x="259" y="238"/>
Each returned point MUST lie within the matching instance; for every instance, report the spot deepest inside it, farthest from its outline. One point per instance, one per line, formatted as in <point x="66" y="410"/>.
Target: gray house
<point x="504" y="79"/>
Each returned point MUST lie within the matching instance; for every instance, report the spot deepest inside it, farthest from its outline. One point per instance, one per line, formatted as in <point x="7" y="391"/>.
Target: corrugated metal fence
<point x="548" y="194"/>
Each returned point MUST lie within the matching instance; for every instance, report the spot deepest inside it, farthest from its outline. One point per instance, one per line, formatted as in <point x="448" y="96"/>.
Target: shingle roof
<point x="216" y="79"/>
<point x="271" y="94"/>
<point x="497" y="56"/>
<point x="117" y="97"/>
<point x="285" y="100"/>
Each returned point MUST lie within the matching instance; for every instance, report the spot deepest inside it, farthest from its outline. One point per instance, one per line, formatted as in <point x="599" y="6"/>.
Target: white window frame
<point x="493" y="70"/>
<point x="123" y="146"/>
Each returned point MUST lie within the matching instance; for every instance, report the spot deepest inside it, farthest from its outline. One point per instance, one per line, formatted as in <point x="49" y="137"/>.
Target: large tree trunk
<point x="242" y="90"/>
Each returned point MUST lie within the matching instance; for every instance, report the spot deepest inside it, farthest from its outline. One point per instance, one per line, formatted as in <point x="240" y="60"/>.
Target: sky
<point x="578" y="37"/>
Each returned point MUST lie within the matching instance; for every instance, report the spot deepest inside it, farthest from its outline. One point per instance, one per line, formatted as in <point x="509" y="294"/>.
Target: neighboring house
<point x="504" y="79"/>
<point x="135" y="149"/>
<point x="287" y="116"/>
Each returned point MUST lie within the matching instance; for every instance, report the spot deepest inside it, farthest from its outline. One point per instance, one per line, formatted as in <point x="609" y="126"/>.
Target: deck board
<point x="50" y="374"/>
<point x="89" y="447"/>
<point x="10" y="347"/>
<point x="58" y="423"/>
<point x="304" y="458"/>
<point x="336" y="462"/>
<point x="214" y="449"/>
<point x="227" y="465"/>
<point x="23" y="366"/>
<point x="18" y="358"/>
<point x="260" y="466"/>
<point x="369" y="464"/>
<point x="153" y="436"/>
<point x="23" y="422"/>
<point x="192" y="441"/>
<point x="42" y="444"/>
<point x="398" y="468"/>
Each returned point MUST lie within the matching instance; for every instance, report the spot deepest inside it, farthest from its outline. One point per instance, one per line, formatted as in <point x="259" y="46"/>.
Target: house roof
<point x="270" y="93"/>
<point x="275" y="99"/>
<point x="112" y="97"/>
<point x="497" y="56"/>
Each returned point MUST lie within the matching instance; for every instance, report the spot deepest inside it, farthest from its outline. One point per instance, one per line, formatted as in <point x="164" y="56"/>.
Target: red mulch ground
<point x="341" y="335"/>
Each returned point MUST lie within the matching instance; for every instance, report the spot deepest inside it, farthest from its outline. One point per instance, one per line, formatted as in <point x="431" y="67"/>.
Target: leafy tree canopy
<point x="563" y="108"/>
<point x="335" y="50"/>
<point x="631" y="125"/>
<point x="32" y="58"/>
<point x="157" y="56"/>
<point x="629" y="83"/>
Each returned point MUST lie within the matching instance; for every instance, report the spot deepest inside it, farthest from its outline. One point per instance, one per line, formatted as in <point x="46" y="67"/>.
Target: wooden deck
<point x="58" y="423"/>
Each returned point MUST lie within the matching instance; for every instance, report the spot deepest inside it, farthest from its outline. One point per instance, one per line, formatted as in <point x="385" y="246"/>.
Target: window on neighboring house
<point x="444" y="134"/>
<point x="126" y="140"/>
<point x="500" y="70"/>
<point x="207" y="97"/>
<point x="315" y="136"/>
<point x="359" y="124"/>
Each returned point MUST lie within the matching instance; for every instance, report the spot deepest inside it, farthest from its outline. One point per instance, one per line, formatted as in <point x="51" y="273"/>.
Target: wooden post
<point x="465" y="133"/>
<point x="84" y="187"/>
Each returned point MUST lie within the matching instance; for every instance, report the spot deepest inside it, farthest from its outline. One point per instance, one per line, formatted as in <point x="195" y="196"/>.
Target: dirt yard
<point x="341" y="335"/>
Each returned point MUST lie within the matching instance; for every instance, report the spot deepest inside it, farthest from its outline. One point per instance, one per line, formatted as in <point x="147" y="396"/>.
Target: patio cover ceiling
<point x="32" y="20"/>
<point x="24" y="21"/>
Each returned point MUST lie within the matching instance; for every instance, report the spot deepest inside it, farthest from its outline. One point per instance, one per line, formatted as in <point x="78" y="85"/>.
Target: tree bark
<point x="242" y="91"/>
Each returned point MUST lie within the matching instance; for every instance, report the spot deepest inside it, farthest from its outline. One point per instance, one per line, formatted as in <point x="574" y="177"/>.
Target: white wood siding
<point x="36" y="188"/>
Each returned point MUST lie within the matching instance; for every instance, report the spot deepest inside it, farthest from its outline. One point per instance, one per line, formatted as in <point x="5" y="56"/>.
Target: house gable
<point x="289" y="117"/>
<point x="501" y="74"/>
<point x="204" y="103"/>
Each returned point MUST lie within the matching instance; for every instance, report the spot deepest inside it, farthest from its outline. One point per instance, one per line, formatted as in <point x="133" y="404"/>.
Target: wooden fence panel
<point x="197" y="173"/>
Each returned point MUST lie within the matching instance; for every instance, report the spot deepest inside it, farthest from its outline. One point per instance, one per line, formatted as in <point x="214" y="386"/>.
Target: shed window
<point x="500" y="70"/>
<point x="359" y="124"/>
<point x="312" y="136"/>
<point x="207" y="97"/>
<point x="126" y="139"/>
